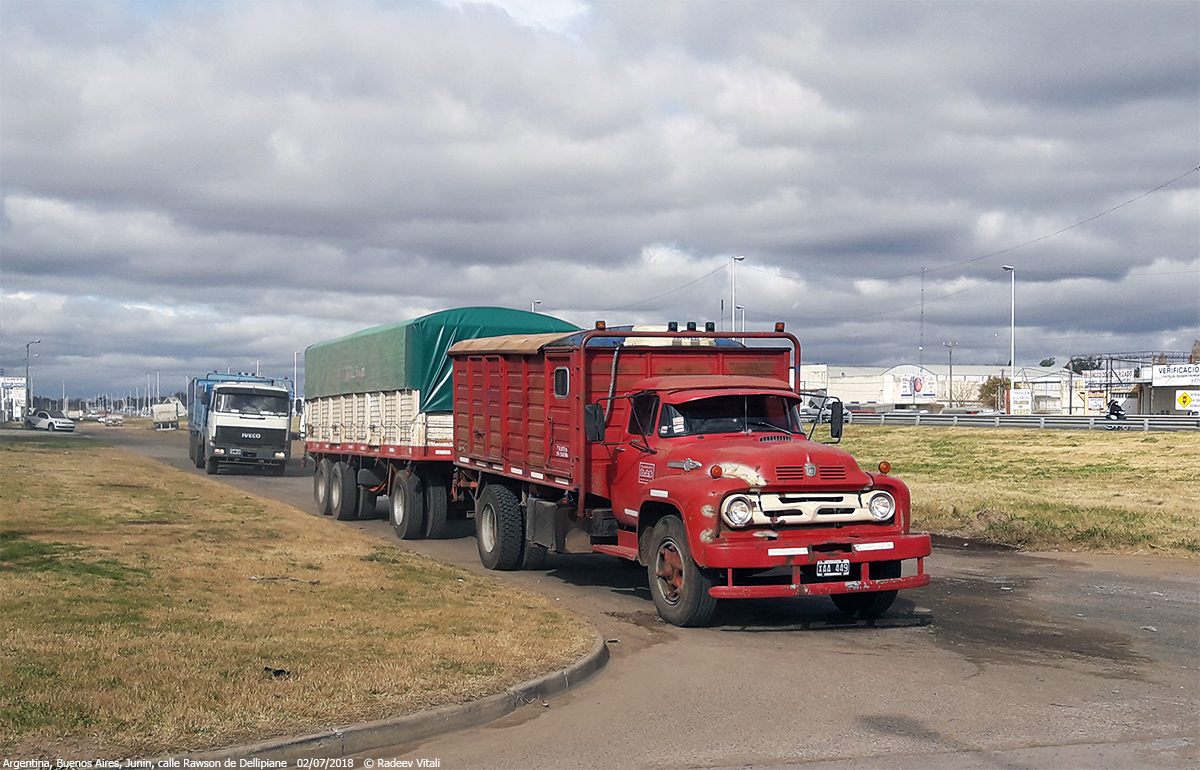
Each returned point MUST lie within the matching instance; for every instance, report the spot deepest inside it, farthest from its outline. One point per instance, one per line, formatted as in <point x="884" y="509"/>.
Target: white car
<point x="51" y="420"/>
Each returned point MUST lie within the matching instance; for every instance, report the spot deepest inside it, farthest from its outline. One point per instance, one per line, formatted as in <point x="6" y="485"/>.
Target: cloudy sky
<point x="190" y="186"/>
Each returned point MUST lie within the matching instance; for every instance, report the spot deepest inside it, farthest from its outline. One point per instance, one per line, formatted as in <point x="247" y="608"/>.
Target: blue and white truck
<point x="239" y="420"/>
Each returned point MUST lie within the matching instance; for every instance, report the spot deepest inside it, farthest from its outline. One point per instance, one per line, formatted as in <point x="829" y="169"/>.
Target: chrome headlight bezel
<point x="881" y="505"/>
<point x="738" y="510"/>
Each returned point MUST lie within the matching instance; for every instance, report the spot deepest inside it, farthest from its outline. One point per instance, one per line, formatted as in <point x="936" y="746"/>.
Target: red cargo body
<point x="658" y="488"/>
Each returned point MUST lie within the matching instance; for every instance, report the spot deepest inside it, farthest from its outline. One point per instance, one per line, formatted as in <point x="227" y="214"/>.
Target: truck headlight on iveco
<point x="882" y="506"/>
<point x="738" y="510"/>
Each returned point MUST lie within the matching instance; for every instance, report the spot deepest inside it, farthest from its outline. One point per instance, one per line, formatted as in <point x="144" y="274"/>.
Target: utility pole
<point x="950" y="386"/>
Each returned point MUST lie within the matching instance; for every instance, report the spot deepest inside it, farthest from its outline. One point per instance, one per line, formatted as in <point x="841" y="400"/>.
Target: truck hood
<point x="769" y="460"/>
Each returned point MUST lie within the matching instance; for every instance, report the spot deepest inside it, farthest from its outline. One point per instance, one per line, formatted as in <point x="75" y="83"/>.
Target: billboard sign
<point x="1022" y="400"/>
<point x="918" y="386"/>
<point x="1177" y="374"/>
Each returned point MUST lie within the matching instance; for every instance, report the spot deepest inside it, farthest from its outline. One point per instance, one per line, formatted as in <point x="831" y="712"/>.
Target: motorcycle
<point x="1116" y="418"/>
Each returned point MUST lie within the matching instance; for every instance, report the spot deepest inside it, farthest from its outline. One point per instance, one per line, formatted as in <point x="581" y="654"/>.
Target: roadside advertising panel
<point x="1022" y="400"/>
<point x="1184" y="375"/>
<point x="922" y="385"/>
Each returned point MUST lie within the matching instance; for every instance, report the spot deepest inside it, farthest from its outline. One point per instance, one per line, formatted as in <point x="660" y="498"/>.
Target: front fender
<point x="698" y="498"/>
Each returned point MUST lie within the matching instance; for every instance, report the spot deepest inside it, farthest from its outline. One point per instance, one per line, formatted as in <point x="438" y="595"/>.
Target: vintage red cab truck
<point x="683" y="450"/>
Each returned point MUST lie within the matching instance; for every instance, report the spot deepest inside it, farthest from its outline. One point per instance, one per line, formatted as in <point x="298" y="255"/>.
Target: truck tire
<point x="210" y="464"/>
<point x="437" y="505"/>
<point x="321" y="477"/>
<point x="679" y="586"/>
<point x="873" y="603"/>
<point x="499" y="529"/>
<point x="199" y="456"/>
<point x="343" y="492"/>
<point x="405" y="505"/>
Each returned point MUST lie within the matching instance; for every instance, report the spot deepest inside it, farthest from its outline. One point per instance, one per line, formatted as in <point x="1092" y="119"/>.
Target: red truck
<point x="682" y="450"/>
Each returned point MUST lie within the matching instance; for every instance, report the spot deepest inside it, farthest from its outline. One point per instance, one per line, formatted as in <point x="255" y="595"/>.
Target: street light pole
<point x="533" y="305"/>
<point x="1012" y="339"/>
<point x="733" y="291"/>
<point x="28" y="383"/>
<point x="743" y="309"/>
<point x="950" y="386"/>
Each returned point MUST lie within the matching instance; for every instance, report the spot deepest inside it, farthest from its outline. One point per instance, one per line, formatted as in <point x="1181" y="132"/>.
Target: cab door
<point x="636" y="462"/>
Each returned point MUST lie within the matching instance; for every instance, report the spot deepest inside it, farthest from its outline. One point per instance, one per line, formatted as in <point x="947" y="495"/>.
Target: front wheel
<point x="499" y="528"/>
<point x="680" y="587"/>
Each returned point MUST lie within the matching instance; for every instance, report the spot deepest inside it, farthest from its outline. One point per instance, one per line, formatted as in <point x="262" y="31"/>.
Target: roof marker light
<point x="691" y="326"/>
<point x="885" y="467"/>
<point x="672" y="326"/>
<point x="779" y="326"/>
<point x="709" y="326"/>
<point x="601" y="326"/>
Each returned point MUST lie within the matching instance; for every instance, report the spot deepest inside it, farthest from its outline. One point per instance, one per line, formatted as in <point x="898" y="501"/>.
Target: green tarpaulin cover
<point x="411" y="355"/>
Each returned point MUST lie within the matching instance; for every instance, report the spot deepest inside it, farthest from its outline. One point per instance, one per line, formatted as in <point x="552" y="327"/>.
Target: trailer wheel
<point x="321" y="475"/>
<point x="405" y="505"/>
<point x="873" y="603"/>
<point x="343" y="492"/>
<point x="679" y="586"/>
<point x="437" y="505"/>
<point x="499" y="530"/>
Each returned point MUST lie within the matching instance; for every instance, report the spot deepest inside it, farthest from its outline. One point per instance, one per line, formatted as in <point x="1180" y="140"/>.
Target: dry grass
<point x="1042" y="490"/>
<point x="140" y="607"/>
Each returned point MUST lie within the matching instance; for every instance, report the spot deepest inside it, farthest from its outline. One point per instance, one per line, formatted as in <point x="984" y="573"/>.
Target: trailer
<point x="377" y="415"/>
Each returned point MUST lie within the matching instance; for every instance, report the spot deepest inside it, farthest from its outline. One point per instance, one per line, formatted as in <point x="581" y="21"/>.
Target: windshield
<point x="251" y="403"/>
<point x="57" y="414"/>
<point x="761" y="413"/>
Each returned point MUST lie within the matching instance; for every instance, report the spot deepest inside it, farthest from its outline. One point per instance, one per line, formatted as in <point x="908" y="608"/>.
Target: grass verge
<point x="144" y="610"/>
<point x="1112" y="492"/>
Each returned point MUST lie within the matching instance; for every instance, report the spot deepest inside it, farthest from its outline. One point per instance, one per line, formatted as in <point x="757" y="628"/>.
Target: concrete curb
<point x="353" y="739"/>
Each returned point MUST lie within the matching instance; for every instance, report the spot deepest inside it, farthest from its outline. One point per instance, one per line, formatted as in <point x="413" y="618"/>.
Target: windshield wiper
<point x="768" y="426"/>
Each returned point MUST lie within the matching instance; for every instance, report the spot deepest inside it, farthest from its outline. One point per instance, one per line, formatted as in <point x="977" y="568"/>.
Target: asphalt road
<point x="1006" y="660"/>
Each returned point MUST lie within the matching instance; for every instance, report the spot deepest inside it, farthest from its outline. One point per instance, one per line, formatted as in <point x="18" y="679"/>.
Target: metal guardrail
<point x="1035" y="421"/>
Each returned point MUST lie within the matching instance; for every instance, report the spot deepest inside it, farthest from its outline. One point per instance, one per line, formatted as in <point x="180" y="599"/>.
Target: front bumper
<point x="250" y="455"/>
<point x="773" y="569"/>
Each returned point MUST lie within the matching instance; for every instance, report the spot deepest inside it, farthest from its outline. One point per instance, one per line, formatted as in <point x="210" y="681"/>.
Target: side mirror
<point x="593" y="422"/>
<point x="836" y="420"/>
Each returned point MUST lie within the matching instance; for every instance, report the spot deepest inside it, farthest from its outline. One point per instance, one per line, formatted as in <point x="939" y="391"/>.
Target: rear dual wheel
<point x="406" y="505"/>
<point x="321" y="476"/>
<point x="499" y="528"/>
<point x="343" y="492"/>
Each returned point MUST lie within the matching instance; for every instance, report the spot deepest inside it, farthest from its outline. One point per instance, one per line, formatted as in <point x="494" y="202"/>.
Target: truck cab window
<point x="251" y="403"/>
<point x="641" y="414"/>
<point x="731" y="414"/>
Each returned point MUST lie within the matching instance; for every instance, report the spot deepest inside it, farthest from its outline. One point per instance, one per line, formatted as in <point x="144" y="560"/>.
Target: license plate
<point x="235" y="452"/>
<point x="833" y="568"/>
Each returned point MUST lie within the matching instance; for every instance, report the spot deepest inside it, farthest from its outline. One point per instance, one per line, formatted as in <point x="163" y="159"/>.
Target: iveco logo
<point x="251" y="435"/>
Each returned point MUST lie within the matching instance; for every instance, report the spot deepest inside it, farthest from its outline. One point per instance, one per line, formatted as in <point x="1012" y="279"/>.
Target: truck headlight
<point x="739" y="511"/>
<point x="882" y="506"/>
